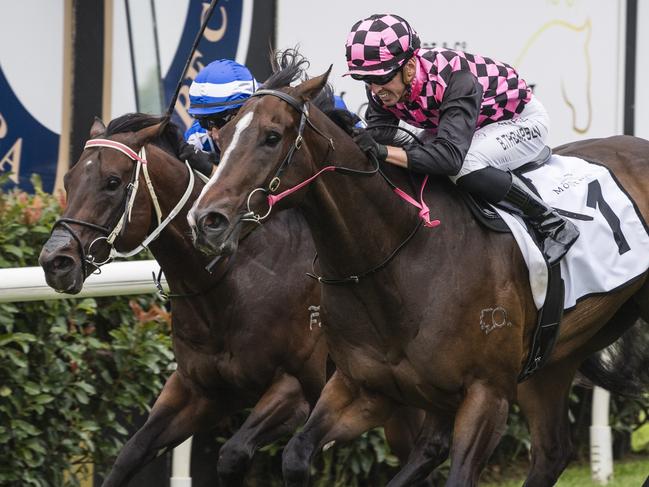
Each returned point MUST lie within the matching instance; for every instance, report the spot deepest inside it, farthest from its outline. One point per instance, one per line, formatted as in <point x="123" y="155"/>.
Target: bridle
<point x="275" y="181"/>
<point x="108" y="235"/>
<point x="272" y="199"/>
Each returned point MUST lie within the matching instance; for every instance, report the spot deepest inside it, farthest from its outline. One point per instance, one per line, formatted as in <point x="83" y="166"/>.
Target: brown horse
<point x="403" y="325"/>
<point x="224" y="364"/>
<point x="241" y="335"/>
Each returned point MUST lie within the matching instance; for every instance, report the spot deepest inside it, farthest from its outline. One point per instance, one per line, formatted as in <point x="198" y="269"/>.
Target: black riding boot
<point x="556" y="233"/>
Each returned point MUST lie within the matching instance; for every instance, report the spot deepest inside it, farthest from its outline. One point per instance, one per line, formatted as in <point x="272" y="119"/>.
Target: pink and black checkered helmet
<point x="379" y="44"/>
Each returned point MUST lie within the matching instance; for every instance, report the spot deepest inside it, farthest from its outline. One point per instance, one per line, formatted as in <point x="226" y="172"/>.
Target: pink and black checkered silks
<point x="379" y="44"/>
<point x="504" y="92"/>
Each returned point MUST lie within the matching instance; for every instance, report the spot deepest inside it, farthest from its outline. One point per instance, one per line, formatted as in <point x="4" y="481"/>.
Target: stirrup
<point x="553" y="249"/>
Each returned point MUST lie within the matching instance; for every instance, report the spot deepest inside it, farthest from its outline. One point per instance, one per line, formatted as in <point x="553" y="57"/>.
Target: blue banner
<point x="26" y="146"/>
<point x="219" y="41"/>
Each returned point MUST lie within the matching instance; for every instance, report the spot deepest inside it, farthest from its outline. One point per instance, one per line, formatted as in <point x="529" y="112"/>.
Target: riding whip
<point x="208" y="14"/>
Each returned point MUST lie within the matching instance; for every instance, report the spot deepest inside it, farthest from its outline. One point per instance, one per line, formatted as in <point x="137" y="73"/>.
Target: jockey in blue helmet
<point x="215" y="96"/>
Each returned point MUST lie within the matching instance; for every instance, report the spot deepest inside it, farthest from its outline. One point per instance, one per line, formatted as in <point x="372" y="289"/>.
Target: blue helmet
<point x="339" y="103"/>
<point x="219" y="86"/>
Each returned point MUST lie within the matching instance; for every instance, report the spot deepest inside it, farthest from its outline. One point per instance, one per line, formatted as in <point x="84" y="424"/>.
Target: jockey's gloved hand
<point x="370" y="146"/>
<point x="200" y="160"/>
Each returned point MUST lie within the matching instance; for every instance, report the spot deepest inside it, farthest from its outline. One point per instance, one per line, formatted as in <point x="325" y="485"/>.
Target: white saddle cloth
<point x="613" y="246"/>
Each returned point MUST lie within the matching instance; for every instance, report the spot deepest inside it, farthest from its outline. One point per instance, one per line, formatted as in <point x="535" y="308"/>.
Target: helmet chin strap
<point x="407" y="78"/>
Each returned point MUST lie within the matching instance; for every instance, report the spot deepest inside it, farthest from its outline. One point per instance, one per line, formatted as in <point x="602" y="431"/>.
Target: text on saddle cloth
<point x="613" y="247"/>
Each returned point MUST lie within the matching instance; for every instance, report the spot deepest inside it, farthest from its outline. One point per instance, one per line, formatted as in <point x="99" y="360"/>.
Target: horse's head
<point x="268" y="148"/>
<point x="104" y="209"/>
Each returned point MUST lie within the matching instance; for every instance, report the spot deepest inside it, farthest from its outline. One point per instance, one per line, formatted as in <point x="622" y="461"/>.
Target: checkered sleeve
<point x="459" y="110"/>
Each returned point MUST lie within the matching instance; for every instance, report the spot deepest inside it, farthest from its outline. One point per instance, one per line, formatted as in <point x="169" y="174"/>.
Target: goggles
<point x="216" y="121"/>
<point x="373" y="79"/>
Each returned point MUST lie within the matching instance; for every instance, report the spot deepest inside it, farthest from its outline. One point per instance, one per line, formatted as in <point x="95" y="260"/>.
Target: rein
<point x="110" y="235"/>
<point x="165" y="296"/>
<point x="355" y="279"/>
<point x="272" y="199"/>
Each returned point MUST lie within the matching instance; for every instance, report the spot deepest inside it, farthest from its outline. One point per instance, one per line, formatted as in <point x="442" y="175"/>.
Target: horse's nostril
<point x="214" y="221"/>
<point x="61" y="263"/>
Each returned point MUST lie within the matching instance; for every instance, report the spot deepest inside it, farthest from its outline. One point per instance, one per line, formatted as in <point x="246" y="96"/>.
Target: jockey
<point x="480" y="120"/>
<point x="215" y="96"/>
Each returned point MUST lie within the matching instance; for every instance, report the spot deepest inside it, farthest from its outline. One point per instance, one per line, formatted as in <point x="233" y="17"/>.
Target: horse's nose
<point x="55" y="263"/>
<point x="213" y="224"/>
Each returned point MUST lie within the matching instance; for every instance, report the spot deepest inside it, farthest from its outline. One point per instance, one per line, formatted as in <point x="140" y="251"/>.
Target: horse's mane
<point x="289" y="66"/>
<point x="345" y="119"/>
<point x="169" y="139"/>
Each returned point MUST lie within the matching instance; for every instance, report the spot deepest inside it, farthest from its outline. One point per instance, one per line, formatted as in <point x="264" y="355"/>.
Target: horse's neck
<point x="175" y="253"/>
<point x="173" y="249"/>
<point x="356" y="221"/>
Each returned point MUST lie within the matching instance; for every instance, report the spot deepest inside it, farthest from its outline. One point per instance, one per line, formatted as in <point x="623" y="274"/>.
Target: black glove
<point x="200" y="160"/>
<point x="370" y="146"/>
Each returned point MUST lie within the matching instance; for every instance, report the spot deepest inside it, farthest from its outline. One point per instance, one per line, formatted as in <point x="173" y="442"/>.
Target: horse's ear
<point x="144" y="135"/>
<point x="97" y="128"/>
<point x="309" y="89"/>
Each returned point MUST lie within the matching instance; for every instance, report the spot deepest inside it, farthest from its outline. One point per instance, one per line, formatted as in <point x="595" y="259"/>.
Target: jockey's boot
<point x="556" y="233"/>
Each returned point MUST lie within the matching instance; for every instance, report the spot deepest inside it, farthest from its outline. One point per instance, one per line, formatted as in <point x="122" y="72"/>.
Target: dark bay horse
<point x="241" y="337"/>
<point x="403" y="325"/>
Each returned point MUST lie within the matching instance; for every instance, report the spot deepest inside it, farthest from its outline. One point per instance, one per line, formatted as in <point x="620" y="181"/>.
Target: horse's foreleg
<point x="479" y="423"/>
<point x="544" y="402"/>
<point x="428" y="451"/>
<point x="175" y="416"/>
<point x="403" y="429"/>
<point x="280" y="411"/>
<point x="343" y="412"/>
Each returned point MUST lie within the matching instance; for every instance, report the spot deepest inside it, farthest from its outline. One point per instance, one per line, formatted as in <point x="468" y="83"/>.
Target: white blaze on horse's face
<point x="238" y="130"/>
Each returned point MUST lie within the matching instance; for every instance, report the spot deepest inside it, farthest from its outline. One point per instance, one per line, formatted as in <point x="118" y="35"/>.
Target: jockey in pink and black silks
<point x="480" y="120"/>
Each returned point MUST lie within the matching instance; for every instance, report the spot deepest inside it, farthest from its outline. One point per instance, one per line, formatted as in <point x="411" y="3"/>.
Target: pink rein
<point x="424" y="211"/>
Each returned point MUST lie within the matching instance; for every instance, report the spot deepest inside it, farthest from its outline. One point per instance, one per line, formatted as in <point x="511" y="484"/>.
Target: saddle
<point x="484" y="213"/>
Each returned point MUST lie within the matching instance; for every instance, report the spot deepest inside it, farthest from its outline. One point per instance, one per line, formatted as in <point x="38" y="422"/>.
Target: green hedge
<point x="73" y="370"/>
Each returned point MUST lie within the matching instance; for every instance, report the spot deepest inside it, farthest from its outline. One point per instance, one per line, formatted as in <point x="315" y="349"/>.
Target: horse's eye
<point x="113" y="183"/>
<point x="272" y="139"/>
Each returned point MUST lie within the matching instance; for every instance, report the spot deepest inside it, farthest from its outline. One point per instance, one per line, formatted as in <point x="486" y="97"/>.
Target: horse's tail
<point x="623" y="367"/>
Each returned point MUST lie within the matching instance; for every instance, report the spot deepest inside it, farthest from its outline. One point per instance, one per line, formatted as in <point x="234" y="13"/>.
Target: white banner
<point x="569" y="50"/>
